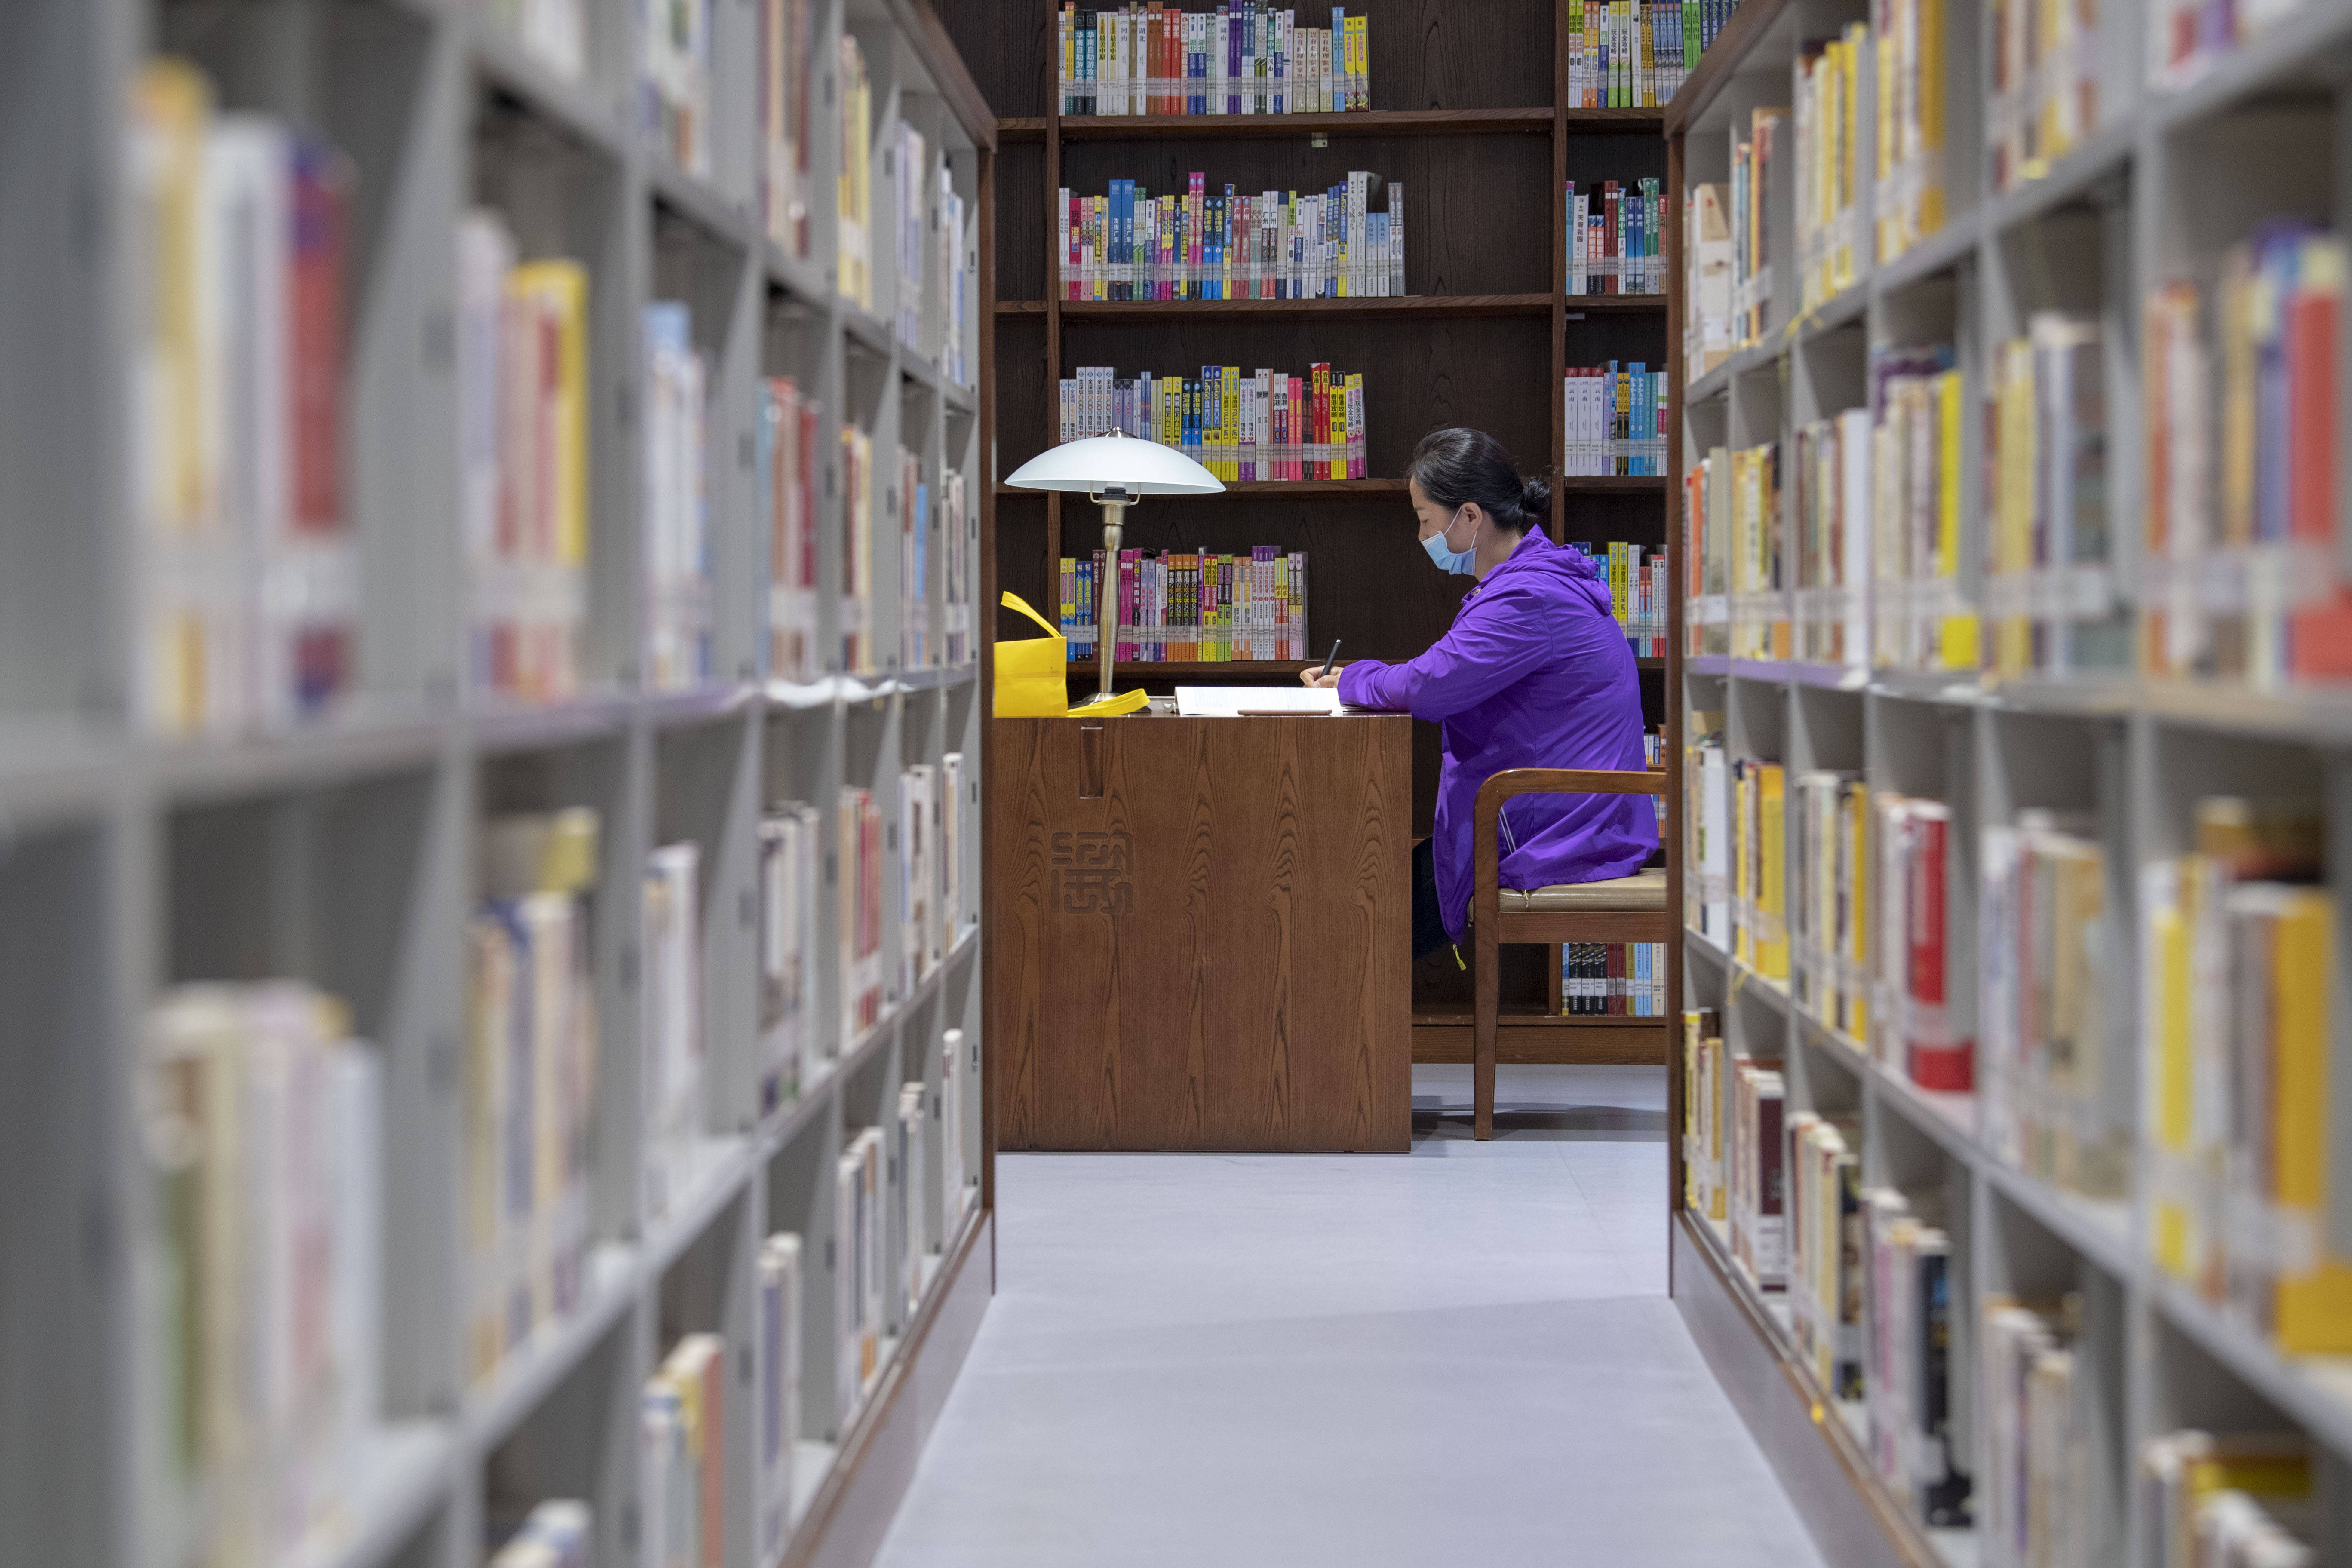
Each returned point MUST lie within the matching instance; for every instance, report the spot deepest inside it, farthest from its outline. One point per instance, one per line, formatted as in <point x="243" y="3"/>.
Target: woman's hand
<point x="1312" y="675"/>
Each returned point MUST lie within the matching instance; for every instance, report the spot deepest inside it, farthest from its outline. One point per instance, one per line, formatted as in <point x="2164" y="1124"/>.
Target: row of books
<point x="1189" y="606"/>
<point x="522" y="456"/>
<point x="262" y="1127"/>
<point x="1261" y="427"/>
<point x="2050" y="598"/>
<point x="558" y="1533"/>
<point x="1865" y="1272"/>
<point x="682" y="1451"/>
<point x="2234" y="1500"/>
<point x="886" y="1194"/>
<point x="2035" y="1509"/>
<point x="1831" y="164"/>
<point x="670" y="1043"/>
<point x="248" y="593"/>
<point x="787" y="47"/>
<point x="1706" y="279"/>
<point x="929" y="841"/>
<point x="1616" y="236"/>
<point x="1876" y="525"/>
<point x="934" y="266"/>
<point x="2238" y="961"/>
<point x="1761" y="153"/>
<point x="2041" y="96"/>
<point x="528" y="1093"/>
<point x="853" y="183"/>
<point x="1636" y="576"/>
<point x="2240" y="576"/>
<point x="674" y="81"/>
<point x="1612" y="979"/>
<point x="679" y="600"/>
<point x="1127" y="244"/>
<point x="1241" y="58"/>
<point x="1616" y="418"/>
<point x="1637" y="54"/>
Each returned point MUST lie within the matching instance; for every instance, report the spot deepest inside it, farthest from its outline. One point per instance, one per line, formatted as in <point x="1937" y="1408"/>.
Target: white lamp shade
<point x="1100" y="462"/>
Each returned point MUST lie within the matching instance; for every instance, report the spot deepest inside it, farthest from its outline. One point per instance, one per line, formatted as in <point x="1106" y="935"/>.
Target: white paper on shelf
<point x="1231" y="702"/>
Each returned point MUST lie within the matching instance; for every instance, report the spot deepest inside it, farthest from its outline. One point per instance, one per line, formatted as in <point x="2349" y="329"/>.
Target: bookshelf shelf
<point x="2123" y="757"/>
<point x="358" y="852"/>
<point x="1359" y="122"/>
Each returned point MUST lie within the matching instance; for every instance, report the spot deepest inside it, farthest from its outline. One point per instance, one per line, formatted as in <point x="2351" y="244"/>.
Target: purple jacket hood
<point x="1536" y="673"/>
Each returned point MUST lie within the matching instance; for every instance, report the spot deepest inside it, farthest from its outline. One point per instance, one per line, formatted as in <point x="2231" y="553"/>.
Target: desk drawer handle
<point x="1090" y="761"/>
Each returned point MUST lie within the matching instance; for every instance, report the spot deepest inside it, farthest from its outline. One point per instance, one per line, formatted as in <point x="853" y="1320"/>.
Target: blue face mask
<point x="1457" y="561"/>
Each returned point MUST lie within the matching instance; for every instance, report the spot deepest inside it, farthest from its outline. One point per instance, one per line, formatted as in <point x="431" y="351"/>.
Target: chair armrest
<point x="1486" y="898"/>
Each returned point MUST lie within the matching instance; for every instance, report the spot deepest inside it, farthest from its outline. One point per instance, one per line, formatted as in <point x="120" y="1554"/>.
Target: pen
<point x="1328" y="658"/>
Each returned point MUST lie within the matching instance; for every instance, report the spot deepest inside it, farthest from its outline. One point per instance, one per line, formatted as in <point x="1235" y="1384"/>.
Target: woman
<point x="1536" y="673"/>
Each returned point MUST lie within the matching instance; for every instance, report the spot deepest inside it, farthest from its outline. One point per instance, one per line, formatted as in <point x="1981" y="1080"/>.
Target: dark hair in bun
<point x="1457" y="467"/>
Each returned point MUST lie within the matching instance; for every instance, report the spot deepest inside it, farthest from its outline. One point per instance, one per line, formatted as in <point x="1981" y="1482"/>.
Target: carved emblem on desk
<point x="1090" y="873"/>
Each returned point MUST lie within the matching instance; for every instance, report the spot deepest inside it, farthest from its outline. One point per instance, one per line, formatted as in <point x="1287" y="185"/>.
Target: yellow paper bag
<point x="1033" y="675"/>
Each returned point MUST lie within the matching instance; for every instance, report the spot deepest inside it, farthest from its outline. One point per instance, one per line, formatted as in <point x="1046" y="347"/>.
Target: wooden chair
<point x="1624" y="908"/>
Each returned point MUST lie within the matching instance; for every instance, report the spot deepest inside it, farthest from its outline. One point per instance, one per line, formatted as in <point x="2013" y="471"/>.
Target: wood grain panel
<point x="1023" y="222"/>
<point x="1602" y="1046"/>
<point x="1008" y="45"/>
<point x="1238" y="981"/>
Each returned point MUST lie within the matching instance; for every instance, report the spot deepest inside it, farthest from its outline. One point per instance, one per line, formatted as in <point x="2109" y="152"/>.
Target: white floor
<point x="1465" y="1354"/>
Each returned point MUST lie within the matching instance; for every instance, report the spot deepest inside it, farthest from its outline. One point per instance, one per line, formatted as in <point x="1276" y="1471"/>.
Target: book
<point x="911" y="1210"/>
<point x="1615" y="418"/>
<point x="528" y="1094"/>
<point x="685" y="1455"/>
<point x="1825" y="1228"/>
<point x="1755" y="1178"/>
<point x="675" y="521"/>
<point x="959" y="804"/>
<point x="858" y="845"/>
<point x="674" y="83"/>
<point x="1612" y="979"/>
<point x="2036" y="1501"/>
<point x="1919" y="1023"/>
<point x="670" y="1040"/>
<point x="263" y="1130"/>
<point x="1761" y="157"/>
<point x="859" y="653"/>
<point x="920" y="947"/>
<point x="1830" y="502"/>
<point x="522" y="445"/>
<point x="560" y="1533"/>
<point x="783" y="1322"/>
<point x="909" y="502"/>
<point x="1908" y="202"/>
<point x="857" y="1253"/>
<point x="1921" y="619"/>
<point x="1911" y="1364"/>
<point x="1616" y="238"/>
<point x="2238" y="1004"/>
<point x="1706" y="279"/>
<point x="787" y="460"/>
<point x="247" y="574"/>
<point x="791" y="864"/>
<point x="552" y="32"/>
<point x="2050" y="600"/>
<point x="2247" y="1497"/>
<point x="786" y="49"/>
<point x="854" y="183"/>
<point x="2042" y="97"/>
<point x="2239" y="580"/>
<point x="1829" y="163"/>
<point x="959" y="1080"/>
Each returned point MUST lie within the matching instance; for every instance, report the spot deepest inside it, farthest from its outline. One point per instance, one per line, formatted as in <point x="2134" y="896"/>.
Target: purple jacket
<point x="1536" y="673"/>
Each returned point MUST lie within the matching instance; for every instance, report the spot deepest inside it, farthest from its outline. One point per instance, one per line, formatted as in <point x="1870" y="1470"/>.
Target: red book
<point x="321" y="642"/>
<point x="1940" y="1057"/>
<point x="2320" y="636"/>
<point x="1609" y="230"/>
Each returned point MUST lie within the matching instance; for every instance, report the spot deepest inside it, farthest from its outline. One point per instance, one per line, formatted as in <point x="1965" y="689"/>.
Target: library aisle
<point x="1465" y="1353"/>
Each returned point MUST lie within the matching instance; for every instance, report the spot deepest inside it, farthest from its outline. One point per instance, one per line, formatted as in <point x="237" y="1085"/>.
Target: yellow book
<point x="1694" y="1189"/>
<point x="1959" y="625"/>
<point x="1743" y="838"/>
<point x="1930" y="91"/>
<point x="1853" y="824"/>
<point x="2314" y="1286"/>
<point x="561" y="288"/>
<point x="1773" y="832"/>
<point x="1890" y="229"/>
<point x="2172" y="1080"/>
<point x="2013" y="527"/>
<point x="1229" y="421"/>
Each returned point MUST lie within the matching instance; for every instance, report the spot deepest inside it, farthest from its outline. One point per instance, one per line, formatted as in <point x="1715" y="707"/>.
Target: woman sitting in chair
<point x="1536" y="673"/>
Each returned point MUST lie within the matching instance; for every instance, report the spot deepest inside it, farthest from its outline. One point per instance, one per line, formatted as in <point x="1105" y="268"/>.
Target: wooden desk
<point x="1201" y="932"/>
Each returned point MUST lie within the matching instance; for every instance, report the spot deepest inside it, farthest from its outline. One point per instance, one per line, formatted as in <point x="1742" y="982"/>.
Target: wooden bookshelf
<point x="1486" y="135"/>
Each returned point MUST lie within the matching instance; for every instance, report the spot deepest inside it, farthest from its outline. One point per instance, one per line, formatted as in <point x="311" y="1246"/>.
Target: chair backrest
<point x="1513" y="782"/>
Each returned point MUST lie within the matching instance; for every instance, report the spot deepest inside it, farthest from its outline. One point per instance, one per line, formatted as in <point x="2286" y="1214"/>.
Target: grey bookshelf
<point x="2168" y="176"/>
<point x="343" y="852"/>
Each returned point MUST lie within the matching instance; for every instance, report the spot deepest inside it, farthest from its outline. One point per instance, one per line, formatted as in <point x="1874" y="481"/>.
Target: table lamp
<point x="1118" y="470"/>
